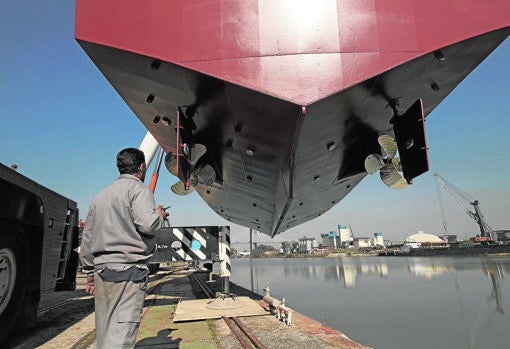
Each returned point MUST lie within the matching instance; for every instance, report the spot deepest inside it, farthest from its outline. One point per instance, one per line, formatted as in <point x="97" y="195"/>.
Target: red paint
<point x="282" y="47"/>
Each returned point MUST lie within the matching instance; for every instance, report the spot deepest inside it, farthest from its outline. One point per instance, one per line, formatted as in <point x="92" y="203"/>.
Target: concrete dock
<point x="158" y="330"/>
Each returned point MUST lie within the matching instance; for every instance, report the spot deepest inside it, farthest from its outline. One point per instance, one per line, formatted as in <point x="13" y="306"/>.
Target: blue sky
<point x="63" y="124"/>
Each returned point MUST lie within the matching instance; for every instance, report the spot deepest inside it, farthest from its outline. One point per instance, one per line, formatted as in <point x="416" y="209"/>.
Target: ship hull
<point x="288" y="101"/>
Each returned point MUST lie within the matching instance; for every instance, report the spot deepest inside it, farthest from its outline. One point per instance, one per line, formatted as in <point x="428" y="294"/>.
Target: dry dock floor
<point x="159" y="331"/>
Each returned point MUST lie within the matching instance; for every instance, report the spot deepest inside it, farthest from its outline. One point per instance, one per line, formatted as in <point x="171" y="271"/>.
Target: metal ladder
<point x="65" y="247"/>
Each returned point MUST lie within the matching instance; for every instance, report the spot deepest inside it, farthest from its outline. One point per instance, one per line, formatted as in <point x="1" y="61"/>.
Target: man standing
<point x="115" y="248"/>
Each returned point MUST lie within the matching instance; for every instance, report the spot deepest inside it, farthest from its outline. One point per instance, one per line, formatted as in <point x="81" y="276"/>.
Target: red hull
<point x="289" y="96"/>
<point x="299" y="51"/>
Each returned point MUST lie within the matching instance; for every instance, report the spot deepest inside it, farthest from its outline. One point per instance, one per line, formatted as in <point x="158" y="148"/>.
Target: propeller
<point x="389" y="167"/>
<point x="180" y="189"/>
<point x="203" y="174"/>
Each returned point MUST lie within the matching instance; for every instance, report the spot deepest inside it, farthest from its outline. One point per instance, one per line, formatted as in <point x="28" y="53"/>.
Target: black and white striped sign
<point x="209" y="243"/>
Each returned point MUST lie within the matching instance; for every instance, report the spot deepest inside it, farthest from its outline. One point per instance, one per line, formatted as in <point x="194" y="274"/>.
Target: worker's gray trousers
<point x="119" y="307"/>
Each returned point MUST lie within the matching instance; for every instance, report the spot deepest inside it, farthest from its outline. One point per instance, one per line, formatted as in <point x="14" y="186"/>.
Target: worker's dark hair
<point x="129" y="160"/>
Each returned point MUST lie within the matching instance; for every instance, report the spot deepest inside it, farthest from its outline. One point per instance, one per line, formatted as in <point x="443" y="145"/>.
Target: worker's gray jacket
<point x="120" y="225"/>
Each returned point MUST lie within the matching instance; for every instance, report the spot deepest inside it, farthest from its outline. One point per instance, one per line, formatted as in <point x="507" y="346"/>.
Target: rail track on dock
<point x="42" y="311"/>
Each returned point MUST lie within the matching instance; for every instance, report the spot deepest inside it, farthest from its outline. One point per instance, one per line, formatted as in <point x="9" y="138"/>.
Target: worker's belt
<point x="133" y="274"/>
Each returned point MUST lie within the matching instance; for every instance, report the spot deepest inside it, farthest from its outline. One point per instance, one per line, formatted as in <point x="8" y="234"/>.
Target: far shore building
<point x="421" y="239"/>
<point x="378" y="239"/>
<point x="345" y="235"/>
<point x="331" y="239"/>
<point x="362" y="242"/>
<point x="342" y="237"/>
<point x="307" y="245"/>
<point x="449" y="238"/>
<point x="244" y="253"/>
<point x="502" y="235"/>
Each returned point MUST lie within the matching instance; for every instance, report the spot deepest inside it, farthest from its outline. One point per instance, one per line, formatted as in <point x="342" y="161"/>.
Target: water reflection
<point x="345" y="271"/>
<point x="495" y="272"/>
<point x="428" y="270"/>
<point x="463" y="301"/>
<point x="492" y="268"/>
<point x="349" y="272"/>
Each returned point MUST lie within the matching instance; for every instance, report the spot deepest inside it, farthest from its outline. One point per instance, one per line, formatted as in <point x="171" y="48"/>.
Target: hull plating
<point x="304" y="90"/>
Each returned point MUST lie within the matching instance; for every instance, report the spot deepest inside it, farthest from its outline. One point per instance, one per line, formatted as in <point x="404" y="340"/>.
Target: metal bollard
<point x="278" y="307"/>
<point x="269" y="299"/>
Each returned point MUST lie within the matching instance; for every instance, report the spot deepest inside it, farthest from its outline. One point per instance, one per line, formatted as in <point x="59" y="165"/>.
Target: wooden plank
<point x="201" y="309"/>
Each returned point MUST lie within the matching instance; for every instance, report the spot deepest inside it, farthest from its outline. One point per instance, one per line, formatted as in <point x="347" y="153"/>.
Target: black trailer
<point x="38" y="241"/>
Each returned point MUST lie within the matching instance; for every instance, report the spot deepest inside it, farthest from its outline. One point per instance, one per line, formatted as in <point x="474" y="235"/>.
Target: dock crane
<point x="486" y="232"/>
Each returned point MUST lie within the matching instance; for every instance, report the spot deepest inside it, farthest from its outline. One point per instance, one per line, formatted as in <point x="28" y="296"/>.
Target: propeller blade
<point x="398" y="165"/>
<point x="205" y="174"/>
<point x="179" y="189"/>
<point x="171" y="163"/>
<point x="197" y="151"/>
<point x="373" y="163"/>
<point x="388" y="144"/>
<point x="392" y="178"/>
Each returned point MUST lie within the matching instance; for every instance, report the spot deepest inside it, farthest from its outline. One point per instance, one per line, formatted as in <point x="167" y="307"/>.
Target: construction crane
<point x="486" y="232"/>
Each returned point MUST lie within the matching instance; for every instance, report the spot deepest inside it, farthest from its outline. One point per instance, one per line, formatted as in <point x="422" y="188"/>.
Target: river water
<point x="394" y="302"/>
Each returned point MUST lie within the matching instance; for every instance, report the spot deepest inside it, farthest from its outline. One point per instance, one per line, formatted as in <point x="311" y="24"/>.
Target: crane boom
<point x="485" y="230"/>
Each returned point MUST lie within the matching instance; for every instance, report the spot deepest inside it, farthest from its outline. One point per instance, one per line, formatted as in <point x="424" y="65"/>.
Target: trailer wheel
<point x="13" y="280"/>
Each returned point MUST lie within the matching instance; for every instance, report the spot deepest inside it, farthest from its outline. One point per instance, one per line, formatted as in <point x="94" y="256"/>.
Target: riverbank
<point x="345" y="252"/>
